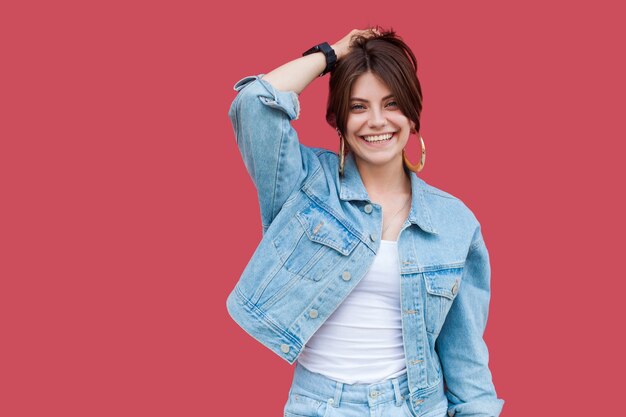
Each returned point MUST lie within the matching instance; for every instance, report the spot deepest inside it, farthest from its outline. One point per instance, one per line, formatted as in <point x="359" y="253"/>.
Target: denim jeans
<point x="314" y="395"/>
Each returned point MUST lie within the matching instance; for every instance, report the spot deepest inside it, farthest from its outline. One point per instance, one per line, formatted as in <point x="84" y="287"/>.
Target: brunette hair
<point x="386" y="56"/>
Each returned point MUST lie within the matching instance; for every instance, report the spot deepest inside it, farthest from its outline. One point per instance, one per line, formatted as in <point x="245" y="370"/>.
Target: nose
<point x="376" y="119"/>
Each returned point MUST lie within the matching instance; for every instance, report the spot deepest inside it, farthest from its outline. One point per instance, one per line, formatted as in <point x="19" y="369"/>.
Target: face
<point x="376" y="129"/>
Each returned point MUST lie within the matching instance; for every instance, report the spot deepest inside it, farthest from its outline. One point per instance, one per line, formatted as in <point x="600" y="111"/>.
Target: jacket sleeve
<point x="261" y="118"/>
<point x="461" y="348"/>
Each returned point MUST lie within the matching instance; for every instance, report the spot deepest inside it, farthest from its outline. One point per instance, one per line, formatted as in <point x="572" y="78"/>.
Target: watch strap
<point x="329" y="53"/>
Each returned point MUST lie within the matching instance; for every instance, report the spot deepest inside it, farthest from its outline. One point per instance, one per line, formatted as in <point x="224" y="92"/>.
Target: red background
<point x="127" y="215"/>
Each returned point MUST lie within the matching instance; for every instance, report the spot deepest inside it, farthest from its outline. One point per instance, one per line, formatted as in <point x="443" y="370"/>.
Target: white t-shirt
<point x="361" y="342"/>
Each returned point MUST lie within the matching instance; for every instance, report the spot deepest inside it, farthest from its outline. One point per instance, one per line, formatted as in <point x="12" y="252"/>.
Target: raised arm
<point x="261" y="116"/>
<point x="297" y="74"/>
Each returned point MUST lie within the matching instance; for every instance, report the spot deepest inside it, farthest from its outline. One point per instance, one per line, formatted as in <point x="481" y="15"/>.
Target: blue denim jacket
<point x="320" y="235"/>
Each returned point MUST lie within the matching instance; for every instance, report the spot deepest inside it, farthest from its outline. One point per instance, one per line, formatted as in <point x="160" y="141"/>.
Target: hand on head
<point x="342" y="47"/>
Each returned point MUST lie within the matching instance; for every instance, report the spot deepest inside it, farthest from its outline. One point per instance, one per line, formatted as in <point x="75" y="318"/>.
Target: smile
<point x="377" y="138"/>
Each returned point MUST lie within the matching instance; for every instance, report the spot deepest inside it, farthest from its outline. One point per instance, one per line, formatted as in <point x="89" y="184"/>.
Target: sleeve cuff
<point x="477" y="409"/>
<point x="286" y="101"/>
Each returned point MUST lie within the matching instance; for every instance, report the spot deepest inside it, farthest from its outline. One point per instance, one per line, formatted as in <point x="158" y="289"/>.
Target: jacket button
<point x="367" y="208"/>
<point x="284" y="348"/>
<point x="346" y="276"/>
<point x="455" y="288"/>
<point x="373" y="237"/>
<point x="313" y="314"/>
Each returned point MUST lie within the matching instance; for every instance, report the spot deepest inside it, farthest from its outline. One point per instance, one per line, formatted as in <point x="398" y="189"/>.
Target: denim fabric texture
<point x="320" y="235"/>
<point x="314" y="395"/>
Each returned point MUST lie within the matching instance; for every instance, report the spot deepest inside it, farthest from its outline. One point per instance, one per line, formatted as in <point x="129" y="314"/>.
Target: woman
<point x="374" y="281"/>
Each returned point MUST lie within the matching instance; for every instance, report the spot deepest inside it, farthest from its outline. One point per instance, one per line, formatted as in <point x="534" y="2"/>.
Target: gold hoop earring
<point x="342" y="152"/>
<point x="416" y="168"/>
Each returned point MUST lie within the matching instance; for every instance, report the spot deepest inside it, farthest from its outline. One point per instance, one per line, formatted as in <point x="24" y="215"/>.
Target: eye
<point x="357" y="107"/>
<point x="392" y="103"/>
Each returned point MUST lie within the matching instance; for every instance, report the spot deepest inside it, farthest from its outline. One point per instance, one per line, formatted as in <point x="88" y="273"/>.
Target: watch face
<point x="325" y="47"/>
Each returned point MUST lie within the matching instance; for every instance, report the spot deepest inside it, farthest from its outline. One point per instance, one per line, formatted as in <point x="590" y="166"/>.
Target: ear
<point x="413" y="130"/>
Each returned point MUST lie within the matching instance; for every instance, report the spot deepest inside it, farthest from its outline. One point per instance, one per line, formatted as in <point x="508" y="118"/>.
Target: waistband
<point x="324" y="388"/>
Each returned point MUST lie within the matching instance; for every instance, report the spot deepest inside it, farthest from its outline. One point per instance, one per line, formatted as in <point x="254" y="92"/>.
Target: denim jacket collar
<point x="352" y="188"/>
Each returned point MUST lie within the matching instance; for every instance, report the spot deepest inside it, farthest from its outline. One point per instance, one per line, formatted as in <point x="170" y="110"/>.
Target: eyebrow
<point x="366" y="101"/>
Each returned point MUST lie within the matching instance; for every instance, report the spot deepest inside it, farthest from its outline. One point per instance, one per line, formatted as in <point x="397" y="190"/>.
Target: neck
<point x="384" y="180"/>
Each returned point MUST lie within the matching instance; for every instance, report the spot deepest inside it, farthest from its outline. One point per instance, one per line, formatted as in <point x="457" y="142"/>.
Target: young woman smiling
<point x="376" y="283"/>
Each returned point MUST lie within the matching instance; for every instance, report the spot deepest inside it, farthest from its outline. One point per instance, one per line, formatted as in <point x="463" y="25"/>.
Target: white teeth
<point x="377" y="138"/>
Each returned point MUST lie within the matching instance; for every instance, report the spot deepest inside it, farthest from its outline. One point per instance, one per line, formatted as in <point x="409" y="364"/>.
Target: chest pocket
<point x="314" y="243"/>
<point x="442" y="288"/>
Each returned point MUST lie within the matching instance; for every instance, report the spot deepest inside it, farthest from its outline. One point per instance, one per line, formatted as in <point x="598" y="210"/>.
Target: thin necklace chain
<point x="397" y="212"/>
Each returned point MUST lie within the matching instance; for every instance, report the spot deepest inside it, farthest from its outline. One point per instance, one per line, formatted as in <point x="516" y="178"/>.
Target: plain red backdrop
<point x="127" y="215"/>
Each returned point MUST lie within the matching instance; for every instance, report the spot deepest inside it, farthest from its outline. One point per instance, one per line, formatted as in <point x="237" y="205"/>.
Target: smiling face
<point x="376" y="130"/>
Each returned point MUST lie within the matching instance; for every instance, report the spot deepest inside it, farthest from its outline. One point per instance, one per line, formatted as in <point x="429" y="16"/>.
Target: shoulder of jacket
<point x="431" y="189"/>
<point x="327" y="159"/>
<point x="437" y="197"/>
<point x="324" y="153"/>
<point x="319" y="155"/>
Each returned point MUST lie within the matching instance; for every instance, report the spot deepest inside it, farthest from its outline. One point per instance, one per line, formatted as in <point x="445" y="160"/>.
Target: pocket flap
<point x="445" y="282"/>
<point x="322" y="227"/>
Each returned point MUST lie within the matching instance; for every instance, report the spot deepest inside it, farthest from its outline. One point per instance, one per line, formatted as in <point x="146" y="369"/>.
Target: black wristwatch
<point x="329" y="53"/>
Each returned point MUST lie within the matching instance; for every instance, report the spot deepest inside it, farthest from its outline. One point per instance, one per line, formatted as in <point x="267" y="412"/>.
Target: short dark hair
<point x="390" y="59"/>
